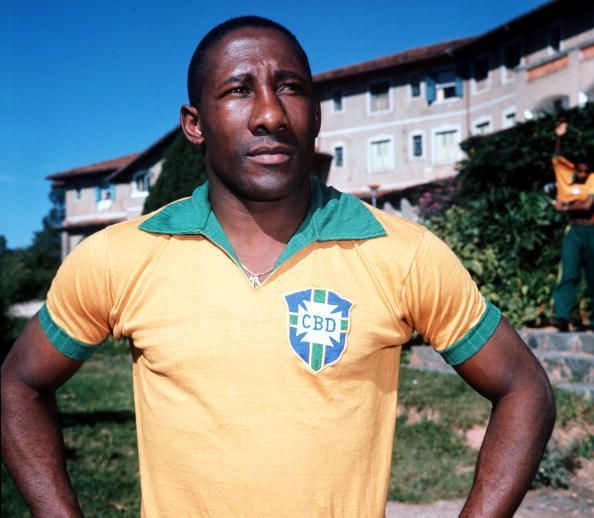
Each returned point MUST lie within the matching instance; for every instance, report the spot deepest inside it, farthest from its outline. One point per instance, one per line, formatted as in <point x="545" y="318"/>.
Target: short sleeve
<point x="442" y="302"/>
<point x="75" y="316"/>
<point x="567" y="190"/>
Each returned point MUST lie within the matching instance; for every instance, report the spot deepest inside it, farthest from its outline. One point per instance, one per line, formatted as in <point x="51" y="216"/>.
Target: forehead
<point x="252" y="46"/>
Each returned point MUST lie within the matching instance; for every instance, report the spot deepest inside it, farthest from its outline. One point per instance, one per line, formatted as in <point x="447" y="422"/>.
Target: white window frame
<point x="343" y="146"/>
<point x="550" y="49"/>
<point x="411" y="136"/>
<point x="505" y="79"/>
<point x="442" y="129"/>
<point x="421" y="87"/>
<point x="392" y="162"/>
<point x="482" y="120"/>
<point x="343" y="99"/>
<point x="134" y="192"/>
<point x="504" y="115"/>
<point x="390" y="96"/>
<point x="456" y="76"/>
<point x="475" y="89"/>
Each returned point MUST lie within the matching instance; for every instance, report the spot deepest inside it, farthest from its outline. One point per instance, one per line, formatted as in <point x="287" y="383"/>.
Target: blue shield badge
<point x="319" y="321"/>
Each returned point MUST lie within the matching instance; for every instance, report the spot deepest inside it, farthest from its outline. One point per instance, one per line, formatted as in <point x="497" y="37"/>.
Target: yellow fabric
<point x="230" y="421"/>
<point x="567" y="190"/>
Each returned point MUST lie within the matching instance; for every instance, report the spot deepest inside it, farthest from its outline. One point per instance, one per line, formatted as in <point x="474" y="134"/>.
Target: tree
<point x="183" y="170"/>
<point x="26" y="273"/>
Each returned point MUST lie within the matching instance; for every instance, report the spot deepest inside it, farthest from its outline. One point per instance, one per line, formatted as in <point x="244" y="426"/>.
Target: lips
<point x="271" y="154"/>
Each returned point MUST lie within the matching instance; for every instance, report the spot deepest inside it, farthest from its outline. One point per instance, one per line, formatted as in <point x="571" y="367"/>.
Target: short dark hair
<point x="582" y="159"/>
<point x="196" y="70"/>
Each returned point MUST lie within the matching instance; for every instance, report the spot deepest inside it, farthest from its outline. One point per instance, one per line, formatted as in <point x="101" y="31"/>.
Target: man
<point x="575" y="195"/>
<point x="267" y="314"/>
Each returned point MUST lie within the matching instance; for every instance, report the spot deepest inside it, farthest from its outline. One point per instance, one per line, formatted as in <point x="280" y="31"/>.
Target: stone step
<point x="565" y="367"/>
<point x="554" y="341"/>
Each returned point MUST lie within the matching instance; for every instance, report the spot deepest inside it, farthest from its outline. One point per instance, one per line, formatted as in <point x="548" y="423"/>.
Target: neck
<point x="258" y="230"/>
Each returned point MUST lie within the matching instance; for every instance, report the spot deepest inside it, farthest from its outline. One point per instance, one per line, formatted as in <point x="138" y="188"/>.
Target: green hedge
<point x="498" y="219"/>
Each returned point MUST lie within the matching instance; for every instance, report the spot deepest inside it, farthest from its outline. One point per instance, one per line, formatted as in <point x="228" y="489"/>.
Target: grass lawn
<point x="430" y="461"/>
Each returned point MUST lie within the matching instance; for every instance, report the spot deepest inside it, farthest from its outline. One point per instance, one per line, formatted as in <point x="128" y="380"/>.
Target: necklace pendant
<point x="255" y="280"/>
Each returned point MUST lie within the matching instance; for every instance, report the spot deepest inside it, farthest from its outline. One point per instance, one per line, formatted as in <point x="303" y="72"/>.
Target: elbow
<point x="544" y="401"/>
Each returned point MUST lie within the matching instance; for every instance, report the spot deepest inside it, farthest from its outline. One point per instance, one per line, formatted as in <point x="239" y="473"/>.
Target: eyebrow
<point x="281" y="74"/>
<point x="287" y="74"/>
<point x="239" y="78"/>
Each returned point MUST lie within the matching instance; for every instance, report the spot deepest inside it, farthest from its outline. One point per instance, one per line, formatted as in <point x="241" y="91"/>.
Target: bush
<point x="497" y="218"/>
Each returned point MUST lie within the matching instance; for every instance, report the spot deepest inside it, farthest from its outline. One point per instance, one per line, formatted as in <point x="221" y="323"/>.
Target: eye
<point x="291" y="87"/>
<point x="238" y="90"/>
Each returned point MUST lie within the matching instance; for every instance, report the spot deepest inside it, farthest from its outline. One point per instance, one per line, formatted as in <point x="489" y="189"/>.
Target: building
<point x="397" y="121"/>
<point x="101" y="194"/>
<point x="394" y="122"/>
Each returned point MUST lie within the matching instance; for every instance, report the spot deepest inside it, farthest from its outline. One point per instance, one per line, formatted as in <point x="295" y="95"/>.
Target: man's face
<point x="582" y="171"/>
<point x="258" y="116"/>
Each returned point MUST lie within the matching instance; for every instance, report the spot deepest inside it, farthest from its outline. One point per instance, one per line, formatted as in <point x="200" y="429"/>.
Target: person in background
<point x="575" y="196"/>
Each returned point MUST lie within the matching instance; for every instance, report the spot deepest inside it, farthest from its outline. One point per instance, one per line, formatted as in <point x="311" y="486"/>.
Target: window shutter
<point x="459" y="87"/>
<point x="112" y="191"/>
<point x="430" y="89"/>
<point x="97" y="194"/>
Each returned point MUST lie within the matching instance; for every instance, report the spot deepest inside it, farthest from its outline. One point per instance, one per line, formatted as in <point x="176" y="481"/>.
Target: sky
<point x="83" y="82"/>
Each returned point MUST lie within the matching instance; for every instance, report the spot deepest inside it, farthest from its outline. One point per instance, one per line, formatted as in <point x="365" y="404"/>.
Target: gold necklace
<point x="254" y="278"/>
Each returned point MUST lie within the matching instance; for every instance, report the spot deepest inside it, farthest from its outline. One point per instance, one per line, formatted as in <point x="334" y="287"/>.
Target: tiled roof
<point x="158" y="148"/>
<point x="401" y="58"/>
<point x="107" y="166"/>
<point x="440" y="49"/>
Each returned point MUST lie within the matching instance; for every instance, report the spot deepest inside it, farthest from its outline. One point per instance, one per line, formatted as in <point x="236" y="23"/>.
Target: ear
<point x="190" y="122"/>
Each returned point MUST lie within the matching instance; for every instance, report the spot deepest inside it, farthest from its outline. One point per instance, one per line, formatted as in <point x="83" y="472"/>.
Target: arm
<point x="560" y="131"/>
<point x="506" y="372"/>
<point x="32" y="444"/>
<point x="580" y="205"/>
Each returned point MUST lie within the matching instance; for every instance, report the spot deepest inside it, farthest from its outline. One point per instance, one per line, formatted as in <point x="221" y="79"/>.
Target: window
<point x="381" y="155"/>
<point x="338" y="157"/>
<point x="481" y="74"/>
<point x="141" y="183"/>
<point x="555" y="38"/>
<point x="416" y="142"/>
<point x="552" y="105"/>
<point x="337" y="101"/>
<point x="512" y="58"/>
<point x="509" y="118"/>
<point x="444" y="85"/>
<point x="446" y="146"/>
<point x="104" y="196"/>
<point x="415" y="86"/>
<point x="482" y="127"/>
<point x="379" y="96"/>
<point x="78" y="192"/>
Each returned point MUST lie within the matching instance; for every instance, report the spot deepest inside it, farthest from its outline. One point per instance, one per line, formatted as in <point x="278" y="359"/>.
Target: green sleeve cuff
<point x="474" y="340"/>
<point x="67" y="345"/>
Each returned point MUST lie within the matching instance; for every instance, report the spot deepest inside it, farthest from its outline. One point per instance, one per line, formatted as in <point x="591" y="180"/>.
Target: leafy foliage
<point x="520" y="157"/>
<point x="26" y="273"/>
<point x="499" y="221"/>
<point x="183" y="170"/>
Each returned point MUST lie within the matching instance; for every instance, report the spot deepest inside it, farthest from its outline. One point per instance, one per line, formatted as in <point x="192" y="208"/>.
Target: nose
<point x="268" y="114"/>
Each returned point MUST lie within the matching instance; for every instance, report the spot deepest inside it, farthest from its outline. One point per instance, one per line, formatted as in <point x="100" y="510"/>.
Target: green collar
<point x="332" y="216"/>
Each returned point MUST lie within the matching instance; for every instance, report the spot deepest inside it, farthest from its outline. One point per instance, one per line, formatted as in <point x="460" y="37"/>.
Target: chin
<point x="270" y="187"/>
<point x="267" y="183"/>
